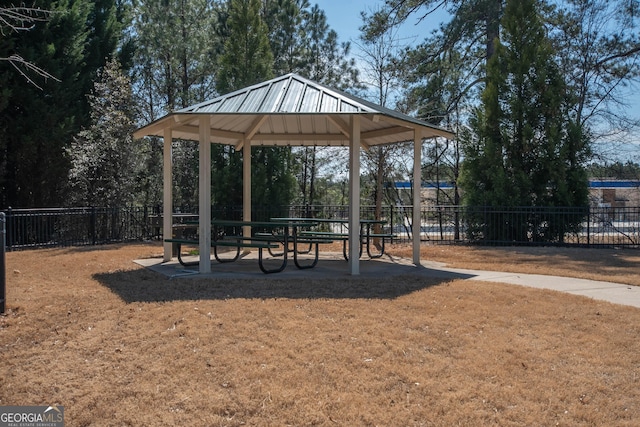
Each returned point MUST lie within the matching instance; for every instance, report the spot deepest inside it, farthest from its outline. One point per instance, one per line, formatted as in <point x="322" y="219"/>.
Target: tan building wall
<point x="615" y="197"/>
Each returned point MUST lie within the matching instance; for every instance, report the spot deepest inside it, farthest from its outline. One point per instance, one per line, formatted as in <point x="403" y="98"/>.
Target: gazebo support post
<point x="204" y="183"/>
<point x="246" y="186"/>
<point x="417" y="187"/>
<point x="167" y="194"/>
<point x="354" y="196"/>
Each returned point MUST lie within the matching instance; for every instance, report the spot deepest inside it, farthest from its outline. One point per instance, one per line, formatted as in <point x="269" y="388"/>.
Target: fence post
<point x="391" y="229"/>
<point x="93" y="222"/>
<point x="9" y="225"/>
<point x="3" y="276"/>
<point x="588" y="226"/>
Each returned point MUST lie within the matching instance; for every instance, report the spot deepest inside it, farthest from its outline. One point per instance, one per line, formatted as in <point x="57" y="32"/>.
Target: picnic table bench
<point x="155" y="222"/>
<point x="366" y="235"/>
<point x="234" y="243"/>
<point x="282" y="233"/>
<point x="296" y="239"/>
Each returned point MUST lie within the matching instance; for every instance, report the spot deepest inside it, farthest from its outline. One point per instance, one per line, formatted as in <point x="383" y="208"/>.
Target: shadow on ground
<point x="377" y="281"/>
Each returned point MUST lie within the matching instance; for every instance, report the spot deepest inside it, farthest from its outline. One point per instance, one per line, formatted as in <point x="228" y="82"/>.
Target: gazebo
<point x="286" y="111"/>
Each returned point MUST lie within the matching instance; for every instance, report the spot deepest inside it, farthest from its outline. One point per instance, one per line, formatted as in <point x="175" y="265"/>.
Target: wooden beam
<point x="332" y="143"/>
<point x="185" y="119"/>
<point x="248" y="135"/>
<point x="300" y="137"/>
<point x="255" y="126"/>
<point x="342" y="126"/>
<point x="426" y="131"/>
<point x="155" y="128"/>
<point x="387" y="119"/>
<point x="384" y="132"/>
<point x="195" y="132"/>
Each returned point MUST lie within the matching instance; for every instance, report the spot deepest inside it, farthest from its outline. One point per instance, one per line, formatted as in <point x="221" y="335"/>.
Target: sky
<point x="343" y="16"/>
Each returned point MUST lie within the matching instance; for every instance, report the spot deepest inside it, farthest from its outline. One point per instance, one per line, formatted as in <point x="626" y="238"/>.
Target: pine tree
<point x="284" y="19"/>
<point x="527" y="151"/>
<point x="247" y="59"/>
<point x="177" y="48"/>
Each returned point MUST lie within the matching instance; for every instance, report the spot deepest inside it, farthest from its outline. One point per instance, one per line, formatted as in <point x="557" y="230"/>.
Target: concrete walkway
<point x="332" y="265"/>
<point x="606" y="291"/>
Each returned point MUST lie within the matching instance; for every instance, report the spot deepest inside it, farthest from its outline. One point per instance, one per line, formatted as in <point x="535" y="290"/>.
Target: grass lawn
<point x="403" y="351"/>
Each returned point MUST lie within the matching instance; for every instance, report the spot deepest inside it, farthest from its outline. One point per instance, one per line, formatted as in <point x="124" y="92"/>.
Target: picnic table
<point x="178" y="225"/>
<point x="273" y="234"/>
<point x="366" y="233"/>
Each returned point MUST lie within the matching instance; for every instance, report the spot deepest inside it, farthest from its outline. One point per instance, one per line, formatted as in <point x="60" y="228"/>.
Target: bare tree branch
<point x="624" y="54"/>
<point x="23" y="66"/>
<point x="21" y="18"/>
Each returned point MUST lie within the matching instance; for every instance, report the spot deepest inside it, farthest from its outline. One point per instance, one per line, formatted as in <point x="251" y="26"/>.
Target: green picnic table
<point x="366" y="234"/>
<point x="274" y="235"/>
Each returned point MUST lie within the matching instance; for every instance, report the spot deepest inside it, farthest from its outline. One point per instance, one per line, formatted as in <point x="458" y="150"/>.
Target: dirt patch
<point x="120" y="345"/>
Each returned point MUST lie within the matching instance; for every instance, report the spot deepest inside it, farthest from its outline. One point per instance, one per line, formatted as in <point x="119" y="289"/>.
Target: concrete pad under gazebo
<point x="286" y="111"/>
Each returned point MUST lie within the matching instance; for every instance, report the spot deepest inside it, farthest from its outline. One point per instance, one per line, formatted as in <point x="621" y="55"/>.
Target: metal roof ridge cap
<point x="283" y="95"/>
<point x="318" y="105"/>
<point x="278" y="101"/>
<point x="301" y="96"/>
<point x="264" y="98"/>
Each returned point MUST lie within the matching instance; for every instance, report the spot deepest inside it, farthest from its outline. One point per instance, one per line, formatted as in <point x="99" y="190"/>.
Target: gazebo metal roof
<point x="288" y="110"/>
<point x="291" y="110"/>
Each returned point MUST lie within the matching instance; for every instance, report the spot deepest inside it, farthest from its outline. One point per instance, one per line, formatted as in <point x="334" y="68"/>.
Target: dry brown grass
<point x="609" y="265"/>
<point x="119" y="345"/>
